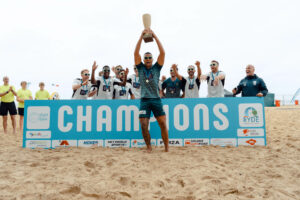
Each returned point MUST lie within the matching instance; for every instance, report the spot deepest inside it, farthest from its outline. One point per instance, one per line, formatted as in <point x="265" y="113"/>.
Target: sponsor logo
<point x="38" y="117"/>
<point x="64" y="143"/>
<point x="117" y="143"/>
<point x="252" y="141"/>
<point x="251" y="115"/>
<point x="196" y="142"/>
<point x="142" y="112"/>
<point x="90" y="143"/>
<point x="38" y="134"/>
<point x="141" y="142"/>
<point x="223" y="141"/>
<point x="251" y="132"/>
<point x="38" y="143"/>
<point x="172" y="142"/>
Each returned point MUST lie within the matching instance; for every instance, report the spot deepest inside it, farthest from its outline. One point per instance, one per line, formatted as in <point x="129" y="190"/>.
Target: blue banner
<point x="115" y="123"/>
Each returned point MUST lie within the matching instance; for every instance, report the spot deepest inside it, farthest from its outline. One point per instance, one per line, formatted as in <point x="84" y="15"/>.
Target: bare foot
<point x="149" y="149"/>
<point x="166" y="149"/>
<point x="5" y="131"/>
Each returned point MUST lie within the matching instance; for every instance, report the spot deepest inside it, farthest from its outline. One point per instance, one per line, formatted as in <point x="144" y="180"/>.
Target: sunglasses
<point x="86" y="74"/>
<point x="148" y="58"/>
<point x="118" y="69"/>
<point x="213" y="64"/>
<point x="106" y="70"/>
<point x="190" y="69"/>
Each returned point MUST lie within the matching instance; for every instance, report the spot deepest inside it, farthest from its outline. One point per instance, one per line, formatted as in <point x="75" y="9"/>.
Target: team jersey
<point x="191" y="87"/>
<point x="105" y="87"/>
<point x="122" y="92"/>
<point x="83" y="91"/>
<point x="173" y="88"/>
<point x="218" y="90"/>
<point x="8" y="97"/>
<point x="42" y="95"/>
<point x="23" y="94"/>
<point x="136" y="86"/>
<point x="149" y="80"/>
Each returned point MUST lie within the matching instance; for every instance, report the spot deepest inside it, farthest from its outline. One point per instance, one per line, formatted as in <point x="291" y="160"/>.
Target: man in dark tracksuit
<point x="251" y="85"/>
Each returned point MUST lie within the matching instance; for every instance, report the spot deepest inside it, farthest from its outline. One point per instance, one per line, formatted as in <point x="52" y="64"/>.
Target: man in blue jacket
<point x="251" y="85"/>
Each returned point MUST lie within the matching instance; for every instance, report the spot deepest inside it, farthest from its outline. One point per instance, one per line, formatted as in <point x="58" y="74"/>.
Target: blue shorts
<point x="151" y="104"/>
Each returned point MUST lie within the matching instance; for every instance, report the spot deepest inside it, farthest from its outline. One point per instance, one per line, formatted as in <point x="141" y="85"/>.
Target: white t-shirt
<point x="83" y="91"/>
<point x="105" y="87"/>
<point x="191" y="87"/>
<point x="218" y="90"/>
<point x="122" y="92"/>
<point x="136" y="86"/>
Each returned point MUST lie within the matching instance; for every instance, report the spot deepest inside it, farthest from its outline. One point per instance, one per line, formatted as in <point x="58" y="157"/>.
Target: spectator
<point x="23" y="94"/>
<point x="42" y="94"/>
<point x="251" y="85"/>
<point x="7" y="94"/>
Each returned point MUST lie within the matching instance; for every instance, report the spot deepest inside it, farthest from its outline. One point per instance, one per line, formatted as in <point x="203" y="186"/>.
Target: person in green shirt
<point x="42" y="94"/>
<point x="150" y="100"/>
<point x="7" y="94"/>
<point x="23" y="94"/>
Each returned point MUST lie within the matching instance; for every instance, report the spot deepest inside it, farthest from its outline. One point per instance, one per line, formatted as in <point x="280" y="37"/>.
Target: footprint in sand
<point x="89" y="164"/>
<point x="72" y="190"/>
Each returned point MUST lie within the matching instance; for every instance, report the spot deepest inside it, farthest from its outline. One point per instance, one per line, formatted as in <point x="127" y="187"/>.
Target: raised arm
<point x="198" y="70"/>
<point x="137" y="56"/>
<point x="4" y="93"/>
<point x="174" y="67"/>
<point x="161" y="57"/>
<point x="95" y="66"/>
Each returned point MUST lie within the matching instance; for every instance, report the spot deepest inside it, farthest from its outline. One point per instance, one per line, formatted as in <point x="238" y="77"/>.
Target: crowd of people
<point x="121" y="86"/>
<point x="144" y="84"/>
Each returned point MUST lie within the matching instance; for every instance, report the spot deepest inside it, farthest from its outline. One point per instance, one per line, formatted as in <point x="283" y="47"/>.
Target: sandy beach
<point x="271" y="172"/>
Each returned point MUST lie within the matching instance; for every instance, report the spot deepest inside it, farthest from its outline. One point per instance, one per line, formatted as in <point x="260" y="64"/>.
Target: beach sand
<point x="271" y="172"/>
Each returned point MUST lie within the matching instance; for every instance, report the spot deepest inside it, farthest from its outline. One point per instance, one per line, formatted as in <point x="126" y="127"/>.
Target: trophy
<point x="147" y="23"/>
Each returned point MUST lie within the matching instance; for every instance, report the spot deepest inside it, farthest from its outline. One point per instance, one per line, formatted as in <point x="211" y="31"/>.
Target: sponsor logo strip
<point x="251" y="132"/>
<point x="223" y="141"/>
<point x="172" y="142"/>
<point x="90" y="143"/>
<point x="117" y="143"/>
<point x="64" y="143"/>
<point x="196" y="142"/>
<point x="38" y="134"/>
<point x="251" y="141"/>
<point x="38" y="143"/>
<point x="141" y="142"/>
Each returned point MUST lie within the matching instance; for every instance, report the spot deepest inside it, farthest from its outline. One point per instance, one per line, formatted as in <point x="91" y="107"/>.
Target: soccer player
<point x="251" y="85"/>
<point x="215" y="80"/>
<point x="7" y="94"/>
<point x="122" y="91"/>
<point x="82" y="86"/>
<point x="23" y="94"/>
<point x="191" y="84"/>
<point x="134" y="80"/>
<point x="42" y="94"/>
<point x="173" y="85"/>
<point x="150" y="100"/>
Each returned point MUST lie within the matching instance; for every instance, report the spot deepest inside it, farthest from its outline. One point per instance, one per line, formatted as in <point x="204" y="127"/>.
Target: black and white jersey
<point x="122" y="92"/>
<point x="218" y="90"/>
<point x="83" y="91"/>
<point x="136" y="86"/>
<point x="191" y="87"/>
<point x="105" y="87"/>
